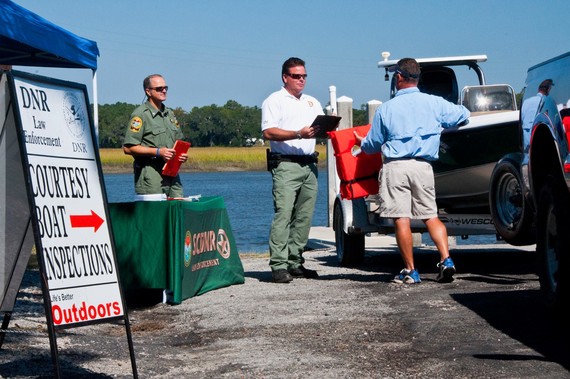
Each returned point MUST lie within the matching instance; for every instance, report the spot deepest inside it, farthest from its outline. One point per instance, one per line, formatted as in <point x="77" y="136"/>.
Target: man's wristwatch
<point x="298" y="135"/>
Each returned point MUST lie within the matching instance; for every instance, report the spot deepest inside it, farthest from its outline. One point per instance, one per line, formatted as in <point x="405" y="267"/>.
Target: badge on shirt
<point x="310" y="103"/>
<point x="175" y="122"/>
<point x="136" y="124"/>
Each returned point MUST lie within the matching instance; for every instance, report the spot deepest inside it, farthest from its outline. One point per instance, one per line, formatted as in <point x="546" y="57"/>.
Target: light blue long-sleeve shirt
<point x="410" y="124"/>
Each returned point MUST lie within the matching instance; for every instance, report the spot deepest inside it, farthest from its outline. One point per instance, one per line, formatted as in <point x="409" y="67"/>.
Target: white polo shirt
<point x="283" y="110"/>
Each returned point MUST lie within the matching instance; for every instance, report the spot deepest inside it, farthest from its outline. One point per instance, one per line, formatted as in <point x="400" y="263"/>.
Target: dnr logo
<point x="187" y="248"/>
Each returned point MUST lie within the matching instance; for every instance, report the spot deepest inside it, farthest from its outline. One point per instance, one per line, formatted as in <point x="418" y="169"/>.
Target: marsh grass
<point x="204" y="159"/>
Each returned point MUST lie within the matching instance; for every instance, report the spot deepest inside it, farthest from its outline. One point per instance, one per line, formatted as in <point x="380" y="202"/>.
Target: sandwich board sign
<point x="67" y="204"/>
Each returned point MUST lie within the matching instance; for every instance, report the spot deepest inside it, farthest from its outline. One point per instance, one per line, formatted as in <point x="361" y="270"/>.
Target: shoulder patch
<point x="135" y="124"/>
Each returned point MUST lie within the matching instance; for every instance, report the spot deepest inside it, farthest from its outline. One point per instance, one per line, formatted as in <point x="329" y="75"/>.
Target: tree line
<point x="231" y="124"/>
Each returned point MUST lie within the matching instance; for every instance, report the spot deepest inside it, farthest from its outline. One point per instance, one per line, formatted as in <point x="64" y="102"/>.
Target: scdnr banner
<point x="211" y="258"/>
<point x="70" y="220"/>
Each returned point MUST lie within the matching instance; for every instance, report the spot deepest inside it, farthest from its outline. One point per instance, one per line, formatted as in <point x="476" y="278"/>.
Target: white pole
<point x="95" y="108"/>
<point x="332" y="97"/>
<point x="331" y="163"/>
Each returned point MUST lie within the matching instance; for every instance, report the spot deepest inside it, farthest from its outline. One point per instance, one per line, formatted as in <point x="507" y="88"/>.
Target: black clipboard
<point x="326" y="124"/>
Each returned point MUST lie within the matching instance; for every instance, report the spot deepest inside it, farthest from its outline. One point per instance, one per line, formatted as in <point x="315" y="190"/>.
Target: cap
<point x="546" y="84"/>
<point x="412" y="69"/>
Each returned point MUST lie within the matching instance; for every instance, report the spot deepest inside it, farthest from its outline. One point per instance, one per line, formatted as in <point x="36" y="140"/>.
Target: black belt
<point x="141" y="162"/>
<point x="388" y="160"/>
<point x="302" y="159"/>
<point x="273" y="159"/>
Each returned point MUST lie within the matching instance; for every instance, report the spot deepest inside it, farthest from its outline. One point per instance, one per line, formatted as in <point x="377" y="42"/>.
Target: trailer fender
<point x="354" y="214"/>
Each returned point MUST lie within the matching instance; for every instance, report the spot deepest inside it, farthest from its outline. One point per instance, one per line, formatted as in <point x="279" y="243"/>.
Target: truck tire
<point x="511" y="213"/>
<point x="553" y="245"/>
<point x="349" y="247"/>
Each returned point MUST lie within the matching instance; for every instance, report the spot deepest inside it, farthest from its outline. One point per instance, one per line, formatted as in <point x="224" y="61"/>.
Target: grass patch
<point x="204" y="159"/>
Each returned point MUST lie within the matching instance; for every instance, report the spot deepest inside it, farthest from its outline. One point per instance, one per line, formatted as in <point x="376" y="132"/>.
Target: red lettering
<point x="101" y="311"/>
<point x="56" y="314"/>
<point x="204" y="242"/>
<point x="116" y="308"/>
<point x="84" y="312"/>
<point x="92" y="312"/>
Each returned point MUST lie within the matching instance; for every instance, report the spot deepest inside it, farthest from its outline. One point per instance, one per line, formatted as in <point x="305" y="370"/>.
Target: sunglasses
<point x="160" y="89"/>
<point x="298" y="76"/>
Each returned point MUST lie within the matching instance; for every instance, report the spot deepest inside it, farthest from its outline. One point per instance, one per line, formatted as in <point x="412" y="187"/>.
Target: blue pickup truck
<point x="545" y="171"/>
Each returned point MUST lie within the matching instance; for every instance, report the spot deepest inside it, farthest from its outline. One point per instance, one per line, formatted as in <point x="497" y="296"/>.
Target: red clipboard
<point x="172" y="167"/>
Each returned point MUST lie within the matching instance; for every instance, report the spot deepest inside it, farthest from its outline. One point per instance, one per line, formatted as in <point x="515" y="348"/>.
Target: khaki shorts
<point x="407" y="189"/>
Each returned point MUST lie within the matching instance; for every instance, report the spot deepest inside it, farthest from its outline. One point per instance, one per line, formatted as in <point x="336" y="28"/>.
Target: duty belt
<point x="141" y="162"/>
<point x="273" y="159"/>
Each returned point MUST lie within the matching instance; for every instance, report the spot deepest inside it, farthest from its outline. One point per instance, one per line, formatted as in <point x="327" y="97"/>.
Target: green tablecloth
<point x="181" y="246"/>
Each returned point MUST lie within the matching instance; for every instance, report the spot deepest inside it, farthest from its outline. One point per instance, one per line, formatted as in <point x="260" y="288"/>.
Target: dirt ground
<point x="349" y="323"/>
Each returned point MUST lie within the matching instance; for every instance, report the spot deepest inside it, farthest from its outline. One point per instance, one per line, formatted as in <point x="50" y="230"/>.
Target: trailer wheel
<point x="553" y="245"/>
<point x="511" y="214"/>
<point x="349" y="247"/>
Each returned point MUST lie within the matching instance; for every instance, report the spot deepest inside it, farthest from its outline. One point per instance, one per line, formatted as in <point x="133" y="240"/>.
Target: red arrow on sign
<point x="86" y="221"/>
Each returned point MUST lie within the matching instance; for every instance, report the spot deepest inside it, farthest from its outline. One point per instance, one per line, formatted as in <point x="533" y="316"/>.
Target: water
<point x="248" y="200"/>
<point x="247" y="196"/>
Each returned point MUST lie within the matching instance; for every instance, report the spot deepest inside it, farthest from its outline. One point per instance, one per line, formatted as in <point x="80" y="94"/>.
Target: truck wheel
<point x="349" y="247"/>
<point x="510" y="211"/>
<point x="553" y="245"/>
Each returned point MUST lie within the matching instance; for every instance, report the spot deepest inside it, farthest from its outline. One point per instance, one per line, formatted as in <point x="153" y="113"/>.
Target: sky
<point x="212" y="51"/>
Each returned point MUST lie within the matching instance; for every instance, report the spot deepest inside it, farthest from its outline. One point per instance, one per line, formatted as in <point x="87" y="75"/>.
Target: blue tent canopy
<point x="27" y="39"/>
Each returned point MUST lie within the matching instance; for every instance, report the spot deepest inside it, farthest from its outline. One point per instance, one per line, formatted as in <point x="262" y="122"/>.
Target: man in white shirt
<point x="286" y="116"/>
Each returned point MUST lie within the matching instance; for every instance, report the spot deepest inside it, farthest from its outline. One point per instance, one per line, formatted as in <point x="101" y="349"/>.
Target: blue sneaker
<point x="446" y="271"/>
<point x="408" y="277"/>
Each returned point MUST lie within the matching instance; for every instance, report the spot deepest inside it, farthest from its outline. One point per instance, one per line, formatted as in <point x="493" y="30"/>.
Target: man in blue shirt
<point x="407" y="131"/>
<point x="529" y="109"/>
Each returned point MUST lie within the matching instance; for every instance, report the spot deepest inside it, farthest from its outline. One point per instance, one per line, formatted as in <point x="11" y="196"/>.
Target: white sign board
<point x="77" y="252"/>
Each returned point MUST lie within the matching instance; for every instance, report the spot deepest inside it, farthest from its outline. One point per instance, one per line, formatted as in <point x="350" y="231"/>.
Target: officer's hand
<point x="314" y="130"/>
<point x="167" y="154"/>
<point x="309" y="131"/>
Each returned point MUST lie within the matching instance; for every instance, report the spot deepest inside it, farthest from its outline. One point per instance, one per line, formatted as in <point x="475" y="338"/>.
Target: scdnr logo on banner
<point x="223" y="244"/>
<point x="187" y="249"/>
<point x="204" y="242"/>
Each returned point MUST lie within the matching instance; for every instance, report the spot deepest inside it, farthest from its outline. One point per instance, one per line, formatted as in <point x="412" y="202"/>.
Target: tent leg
<point x="4" y="327"/>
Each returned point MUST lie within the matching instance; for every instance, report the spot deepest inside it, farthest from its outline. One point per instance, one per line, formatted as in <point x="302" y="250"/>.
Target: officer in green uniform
<point x="150" y="138"/>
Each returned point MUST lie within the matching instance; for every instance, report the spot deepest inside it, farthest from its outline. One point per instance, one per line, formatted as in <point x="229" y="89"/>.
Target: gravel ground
<point x="349" y="323"/>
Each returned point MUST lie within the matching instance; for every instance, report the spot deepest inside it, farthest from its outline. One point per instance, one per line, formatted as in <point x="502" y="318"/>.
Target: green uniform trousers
<point x="294" y="196"/>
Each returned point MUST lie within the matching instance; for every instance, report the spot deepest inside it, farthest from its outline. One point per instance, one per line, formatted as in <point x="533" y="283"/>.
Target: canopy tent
<point x="27" y="39"/>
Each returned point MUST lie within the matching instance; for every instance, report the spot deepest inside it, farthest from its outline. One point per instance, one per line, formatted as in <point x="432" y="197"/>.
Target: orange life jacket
<point x="358" y="174"/>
